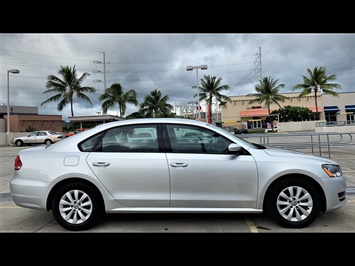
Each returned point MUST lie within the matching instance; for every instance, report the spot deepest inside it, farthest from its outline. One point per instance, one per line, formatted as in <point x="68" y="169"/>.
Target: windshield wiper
<point x="259" y="146"/>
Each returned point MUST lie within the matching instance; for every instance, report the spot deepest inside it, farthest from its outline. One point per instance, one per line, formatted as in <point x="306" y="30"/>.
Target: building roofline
<point x="95" y="118"/>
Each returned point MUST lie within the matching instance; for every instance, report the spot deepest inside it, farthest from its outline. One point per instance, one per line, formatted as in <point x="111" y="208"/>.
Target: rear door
<point x="41" y="137"/>
<point x="131" y="166"/>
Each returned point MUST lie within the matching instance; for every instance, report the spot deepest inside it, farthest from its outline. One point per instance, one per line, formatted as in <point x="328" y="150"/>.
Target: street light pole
<point x="13" y="71"/>
<point x="190" y="68"/>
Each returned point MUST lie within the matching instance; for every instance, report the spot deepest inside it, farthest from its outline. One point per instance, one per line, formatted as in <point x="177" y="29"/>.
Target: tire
<point x="77" y="207"/>
<point x="48" y="142"/>
<point x="293" y="203"/>
<point x="19" y="143"/>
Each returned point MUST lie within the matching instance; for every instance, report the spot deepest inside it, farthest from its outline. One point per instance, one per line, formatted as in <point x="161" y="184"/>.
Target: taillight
<point x="18" y="163"/>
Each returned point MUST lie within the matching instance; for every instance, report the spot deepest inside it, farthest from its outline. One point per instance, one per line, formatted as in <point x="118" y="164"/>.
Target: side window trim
<point x="139" y="138"/>
<point x="195" y="140"/>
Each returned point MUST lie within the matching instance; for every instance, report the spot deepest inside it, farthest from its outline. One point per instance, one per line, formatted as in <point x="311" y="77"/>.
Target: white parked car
<point x="268" y="130"/>
<point x="174" y="165"/>
<point x="38" y="137"/>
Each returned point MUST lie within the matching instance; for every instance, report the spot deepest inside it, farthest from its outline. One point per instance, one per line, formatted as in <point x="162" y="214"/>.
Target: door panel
<point x="205" y="174"/>
<point x="134" y="179"/>
<point x="130" y="166"/>
<point x="212" y="181"/>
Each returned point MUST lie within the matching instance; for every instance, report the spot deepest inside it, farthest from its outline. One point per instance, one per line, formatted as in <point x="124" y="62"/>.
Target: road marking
<point x="9" y="207"/>
<point x="251" y="225"/>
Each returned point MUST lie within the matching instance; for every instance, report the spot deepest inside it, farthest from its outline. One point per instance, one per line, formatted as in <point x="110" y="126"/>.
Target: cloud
<point x="145" y="62"/>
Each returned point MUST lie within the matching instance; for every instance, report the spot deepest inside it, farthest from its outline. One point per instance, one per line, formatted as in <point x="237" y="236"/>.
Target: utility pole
<point x="202" y="67"/>
<point x="99" y="71"/>
<point x="261" y="75"/>
<point x="104" y="71"/>
<point x="258" y="63"/>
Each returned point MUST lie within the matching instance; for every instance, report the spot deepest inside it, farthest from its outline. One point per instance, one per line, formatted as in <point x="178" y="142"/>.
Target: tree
<point x="267" y="91"/>
<point x="66" y="87"/>
<point x="211" y="89"/>
<point x="294" y="113"/>
<point x="137" y="114"/>
<point x="115" y="95"/>
<point x="317" y="81"/>
<point x="154" y="105"/>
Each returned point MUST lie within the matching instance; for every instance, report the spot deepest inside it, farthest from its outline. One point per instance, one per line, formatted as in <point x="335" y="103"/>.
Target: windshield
<point x="240" y="141"/>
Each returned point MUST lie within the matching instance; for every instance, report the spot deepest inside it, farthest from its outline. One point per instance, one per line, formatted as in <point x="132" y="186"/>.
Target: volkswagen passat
<point x="172" y="165"/>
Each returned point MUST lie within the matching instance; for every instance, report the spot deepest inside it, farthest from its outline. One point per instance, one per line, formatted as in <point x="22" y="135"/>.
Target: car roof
<point x="48" y="130"/>
<point x="74" y="139"/>
<point x="151" y="120"/>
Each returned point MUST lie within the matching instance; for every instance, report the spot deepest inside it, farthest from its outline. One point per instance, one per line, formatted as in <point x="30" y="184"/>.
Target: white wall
<point x="341" y="129"/>
<point x="297" y="126"/>
<point x="311" y="126"/>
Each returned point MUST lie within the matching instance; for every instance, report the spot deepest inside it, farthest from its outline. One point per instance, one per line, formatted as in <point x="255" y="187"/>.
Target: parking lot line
<point x="251" y="225"/>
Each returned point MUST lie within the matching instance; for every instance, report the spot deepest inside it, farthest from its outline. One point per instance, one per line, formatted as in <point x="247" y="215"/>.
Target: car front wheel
<point x="293" y="203"/>
<point x="77" y="207"/>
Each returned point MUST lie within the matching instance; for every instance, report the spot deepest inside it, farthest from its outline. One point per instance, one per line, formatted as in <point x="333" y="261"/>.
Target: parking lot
<point x="21" y="220"/>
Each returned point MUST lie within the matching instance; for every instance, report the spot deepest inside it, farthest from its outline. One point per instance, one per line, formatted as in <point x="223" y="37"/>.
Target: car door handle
<point x="101" y="164"/>
<point x="179" y="164"/>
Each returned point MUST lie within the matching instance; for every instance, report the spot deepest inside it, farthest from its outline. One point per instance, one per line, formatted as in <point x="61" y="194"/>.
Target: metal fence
<point x="316" y="143"/>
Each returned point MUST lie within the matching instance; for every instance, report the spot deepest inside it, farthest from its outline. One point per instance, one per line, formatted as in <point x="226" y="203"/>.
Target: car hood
<point x="276" y="152"/>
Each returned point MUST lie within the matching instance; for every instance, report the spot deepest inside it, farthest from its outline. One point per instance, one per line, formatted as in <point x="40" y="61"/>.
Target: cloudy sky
<point x="149" y="61"/>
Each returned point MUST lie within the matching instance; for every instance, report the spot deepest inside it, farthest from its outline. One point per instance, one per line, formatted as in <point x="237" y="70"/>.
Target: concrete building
<point x="26" y="118"/>
<point x="333" y="110"/>
<point x="23" y="118"/>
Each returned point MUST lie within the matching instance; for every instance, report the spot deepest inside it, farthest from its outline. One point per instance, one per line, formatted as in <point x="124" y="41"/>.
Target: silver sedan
<point x="46" y="137"/>
<point x="172" y="165"/>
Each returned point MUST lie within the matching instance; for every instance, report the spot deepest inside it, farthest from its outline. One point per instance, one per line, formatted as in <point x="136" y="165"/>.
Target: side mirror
<point x="234" y="148"/>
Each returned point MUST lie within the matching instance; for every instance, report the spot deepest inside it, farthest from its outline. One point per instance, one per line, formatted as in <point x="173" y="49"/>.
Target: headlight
<point x="332" y="170"/>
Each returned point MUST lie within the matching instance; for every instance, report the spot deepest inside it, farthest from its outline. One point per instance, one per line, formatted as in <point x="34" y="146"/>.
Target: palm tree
<point x="154" y="105"/>
<point x="267" y="91"/>
<point x="116" y="95"/>
<point x="66" y="87"/>
<point x="211" y="89"/>
<point x="317" y="80"/>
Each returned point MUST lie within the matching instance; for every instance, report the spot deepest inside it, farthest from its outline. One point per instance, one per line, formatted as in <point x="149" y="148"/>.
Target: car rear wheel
<point x="293" y="203"/>
<point x="48" y="142"/>
<point x="77" y="207"/>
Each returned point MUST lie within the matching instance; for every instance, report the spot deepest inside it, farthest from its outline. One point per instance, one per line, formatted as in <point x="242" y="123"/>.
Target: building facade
<point x="26" y="118"/>
<point x="239" y="113"/>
